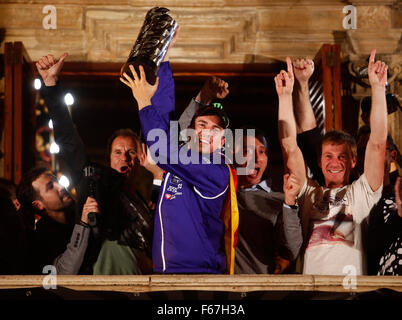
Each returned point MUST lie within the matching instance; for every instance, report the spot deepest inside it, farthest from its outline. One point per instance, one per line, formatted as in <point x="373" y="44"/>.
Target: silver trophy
<point x="152" y="43"/>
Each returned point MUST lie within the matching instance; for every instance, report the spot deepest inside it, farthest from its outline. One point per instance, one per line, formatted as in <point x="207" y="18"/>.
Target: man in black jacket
<point x="126" y="223"/>
<point x="54" y="239"/>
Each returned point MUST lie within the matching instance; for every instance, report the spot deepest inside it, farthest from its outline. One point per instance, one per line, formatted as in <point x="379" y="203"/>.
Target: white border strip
<point x="210" y="198"/>
<point x="160" y="220"/>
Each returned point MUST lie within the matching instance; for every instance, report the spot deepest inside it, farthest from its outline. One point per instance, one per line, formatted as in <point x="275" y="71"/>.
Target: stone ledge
<point x="236" y="283"/>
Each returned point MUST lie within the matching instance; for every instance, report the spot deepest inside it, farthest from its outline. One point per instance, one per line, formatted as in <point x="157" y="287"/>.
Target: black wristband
<point x="294" y="206"/>
<point x="82" y="223"/>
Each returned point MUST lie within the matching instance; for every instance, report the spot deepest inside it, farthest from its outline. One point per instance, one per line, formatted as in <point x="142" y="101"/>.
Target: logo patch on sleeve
<point x="175" y="180"/>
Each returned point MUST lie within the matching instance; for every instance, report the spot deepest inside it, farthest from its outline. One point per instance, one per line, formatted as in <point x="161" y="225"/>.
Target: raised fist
<point x="303" y="69"/>
<point x="213" y="88"/>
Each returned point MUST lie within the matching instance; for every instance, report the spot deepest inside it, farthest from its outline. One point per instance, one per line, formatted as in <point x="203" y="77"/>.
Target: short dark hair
<point x="363" y="130"/>
<point x="121" y="133"/>
<point x="365" y="105"/>
<point x="216" y="109"/>
<point x="8" y="189"/>
<point x="25" y="190"/>
<point x="392" y="104"/>
<point x="259" y="134"/>
<point x="391" y="143"/>
<point x="340" y="137"/>
<point x="26" y="194"/>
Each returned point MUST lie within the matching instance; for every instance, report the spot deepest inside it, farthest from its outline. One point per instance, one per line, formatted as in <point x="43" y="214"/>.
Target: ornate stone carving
<point x="223" y="31"/>
<point x="394" y="72"/>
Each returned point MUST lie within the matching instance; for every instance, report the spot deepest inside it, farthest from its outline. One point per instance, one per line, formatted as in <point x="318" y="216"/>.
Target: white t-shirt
<point x="332" y="221"/>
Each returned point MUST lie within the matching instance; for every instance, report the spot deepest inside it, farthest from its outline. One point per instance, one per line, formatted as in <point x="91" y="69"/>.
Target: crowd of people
<point x="204" y="216"/>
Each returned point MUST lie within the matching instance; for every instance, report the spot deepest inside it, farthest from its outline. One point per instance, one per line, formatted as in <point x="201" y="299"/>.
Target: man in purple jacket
<point x="188" y="234"/>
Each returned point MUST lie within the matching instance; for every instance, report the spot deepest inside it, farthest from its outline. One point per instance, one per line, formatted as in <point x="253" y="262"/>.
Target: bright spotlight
<point x="64" y="181"/>
<point x="54" y="148"/>
<point x="37" y="84"/>
<point x="50" y="124"/>
<point x="69" y="99"/>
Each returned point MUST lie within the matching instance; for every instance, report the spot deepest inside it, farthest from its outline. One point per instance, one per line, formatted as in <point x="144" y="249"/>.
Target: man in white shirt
<point x="332" y="216"/>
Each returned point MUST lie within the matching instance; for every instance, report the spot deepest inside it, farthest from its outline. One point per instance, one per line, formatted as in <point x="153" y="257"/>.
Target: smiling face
<point x="336" y="164"/>
<point x="210" y="133"/>
<point x="124" y="154"/>
<point x="257" y="159"/>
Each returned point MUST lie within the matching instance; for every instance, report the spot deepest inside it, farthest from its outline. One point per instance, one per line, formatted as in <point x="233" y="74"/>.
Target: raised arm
<point x="375" y="151"/>
<point x="70" y="261"/>
<point x="308" y="135"/>
<point x="211" y="179"/>
<point x="305" y="119"/>
<point x="293" y="158"/>
<point x="291" y="231"/>
<point x="213" y="88"/>
<point x="72" y="148"/>
<point x="164" y="97"/>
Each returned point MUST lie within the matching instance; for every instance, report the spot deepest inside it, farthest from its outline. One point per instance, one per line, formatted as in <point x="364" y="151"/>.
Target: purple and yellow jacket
<point x="188" y="229"/>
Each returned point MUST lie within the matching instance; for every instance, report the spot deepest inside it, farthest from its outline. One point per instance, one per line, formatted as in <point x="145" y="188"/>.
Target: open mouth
<point x="124" y="169"/>
<point x="254" y="172"/>
<point x="65" y="196"/>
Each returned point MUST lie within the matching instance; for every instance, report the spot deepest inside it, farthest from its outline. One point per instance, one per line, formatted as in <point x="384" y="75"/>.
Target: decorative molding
<point x="362" y="41"/>
<point x="394" y="71"/>
<point x="223" y="31"/>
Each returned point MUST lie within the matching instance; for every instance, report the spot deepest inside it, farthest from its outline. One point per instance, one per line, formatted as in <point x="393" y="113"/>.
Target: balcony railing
<point x="236" y="283"/>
